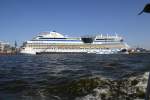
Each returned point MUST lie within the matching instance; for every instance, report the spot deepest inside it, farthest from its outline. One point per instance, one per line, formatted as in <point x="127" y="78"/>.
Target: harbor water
<point x="67" y="76"/>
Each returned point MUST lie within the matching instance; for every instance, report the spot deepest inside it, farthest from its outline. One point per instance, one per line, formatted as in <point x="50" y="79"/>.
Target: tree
<point x="146" y="9"/>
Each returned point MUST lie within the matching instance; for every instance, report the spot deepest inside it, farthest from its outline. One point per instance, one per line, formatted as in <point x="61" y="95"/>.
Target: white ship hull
<point x="96" y="51"/>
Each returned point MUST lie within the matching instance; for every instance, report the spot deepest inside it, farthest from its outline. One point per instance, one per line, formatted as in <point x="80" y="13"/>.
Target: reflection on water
<point x="46" y="77"/>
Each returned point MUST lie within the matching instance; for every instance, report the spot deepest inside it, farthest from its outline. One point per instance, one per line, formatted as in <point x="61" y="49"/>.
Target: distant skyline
<point x="21" y="20"/>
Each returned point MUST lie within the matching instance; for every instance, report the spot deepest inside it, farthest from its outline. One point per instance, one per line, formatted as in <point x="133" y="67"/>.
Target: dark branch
<point x="146" y="9"/>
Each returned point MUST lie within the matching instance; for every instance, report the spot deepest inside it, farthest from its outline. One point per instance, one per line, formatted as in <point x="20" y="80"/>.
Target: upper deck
<point x="55" y="37"/>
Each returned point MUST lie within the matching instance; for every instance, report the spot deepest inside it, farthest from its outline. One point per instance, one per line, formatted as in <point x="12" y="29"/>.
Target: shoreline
<point x="12" y="53"/>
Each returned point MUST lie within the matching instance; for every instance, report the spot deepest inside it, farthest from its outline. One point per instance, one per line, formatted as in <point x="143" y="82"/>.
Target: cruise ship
<point x="54" y="42"/>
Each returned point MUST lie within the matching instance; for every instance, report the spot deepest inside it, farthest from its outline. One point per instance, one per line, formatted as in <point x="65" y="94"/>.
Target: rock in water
<point x="132" y="88"/>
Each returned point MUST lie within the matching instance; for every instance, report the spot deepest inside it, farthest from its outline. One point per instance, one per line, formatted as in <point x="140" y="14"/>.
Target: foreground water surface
<point x="48" y="77"/>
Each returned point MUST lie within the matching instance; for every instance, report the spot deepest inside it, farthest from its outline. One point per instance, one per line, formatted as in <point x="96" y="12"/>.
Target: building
<point x="4" y="47"/>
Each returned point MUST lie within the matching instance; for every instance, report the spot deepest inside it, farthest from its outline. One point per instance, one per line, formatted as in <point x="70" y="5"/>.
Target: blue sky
<point x="21" y="20"/>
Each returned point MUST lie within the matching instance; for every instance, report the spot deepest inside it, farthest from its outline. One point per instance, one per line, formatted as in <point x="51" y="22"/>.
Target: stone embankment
<point x="131" y="88"/>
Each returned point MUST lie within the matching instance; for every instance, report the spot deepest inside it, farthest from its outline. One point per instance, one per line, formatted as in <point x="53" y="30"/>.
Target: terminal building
<point x="5" y="47"/>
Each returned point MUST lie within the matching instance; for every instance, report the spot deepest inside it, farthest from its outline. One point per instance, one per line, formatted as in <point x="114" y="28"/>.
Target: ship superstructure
<point x="54" y="42"/>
